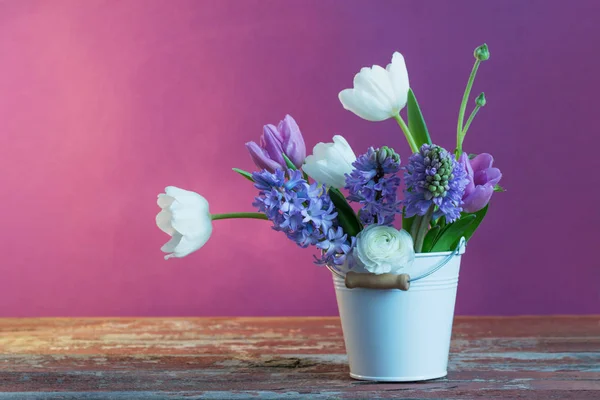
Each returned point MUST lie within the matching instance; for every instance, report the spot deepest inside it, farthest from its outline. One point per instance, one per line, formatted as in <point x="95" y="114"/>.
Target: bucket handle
<point x="391" y="281"/>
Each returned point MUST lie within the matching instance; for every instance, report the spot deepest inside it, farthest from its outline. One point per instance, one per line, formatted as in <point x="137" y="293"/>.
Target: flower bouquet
<point x="395" y="289"/>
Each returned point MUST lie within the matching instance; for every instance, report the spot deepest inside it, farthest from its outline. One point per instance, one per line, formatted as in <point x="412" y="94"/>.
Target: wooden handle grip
<point x="372" y="281"/>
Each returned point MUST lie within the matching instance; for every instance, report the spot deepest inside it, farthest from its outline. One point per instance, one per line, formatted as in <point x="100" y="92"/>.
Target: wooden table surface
<point x="284" y="358"/>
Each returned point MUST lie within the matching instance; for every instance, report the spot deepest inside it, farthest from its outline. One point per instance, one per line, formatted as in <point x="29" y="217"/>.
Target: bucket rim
<point x="439" y="254"/>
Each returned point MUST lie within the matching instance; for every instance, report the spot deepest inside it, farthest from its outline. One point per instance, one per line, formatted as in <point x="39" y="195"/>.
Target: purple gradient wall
<point x="102" y="104"/>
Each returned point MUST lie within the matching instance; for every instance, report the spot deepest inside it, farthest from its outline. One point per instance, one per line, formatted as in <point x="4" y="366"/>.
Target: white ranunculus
<point x="383" y="249"/>
<point x="185" y="217"/>
<point x="378" y="93"/>
<point x="329" y="162"/>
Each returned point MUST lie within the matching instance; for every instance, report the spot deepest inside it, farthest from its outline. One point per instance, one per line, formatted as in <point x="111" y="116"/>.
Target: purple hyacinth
<point x="305" y="213"/>
<point x="336" y="242"/>
<point x="374" y="184"/>
<point x="434" y="178"/>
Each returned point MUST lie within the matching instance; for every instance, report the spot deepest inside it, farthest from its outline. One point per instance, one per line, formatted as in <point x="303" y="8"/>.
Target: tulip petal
<point x="272" y="145"/>
<point x="482" y="161"/>
<point x="363" y="105"/>
<point x="493" y="176"/>
<point x="287" y="128"/>
<point x="295" y="152"/>
<point x="322" y="173"/>
<point x="399" y="78"/>
<point x="169" y="247"/>
<point x="329" y="162"/>
<point x="378" y="93"/>
<point x="191" y="220"/>
<point x="478" y="198"/>
<point x="163" y="221"/>
<point x="464" y="160"/>
<point x="487" y="176"/>
<point x="376" y="82"/>
<point x="319" y="151"/>
<point x="344" y="149"/>
<point x="275" y="131"/>
<point x="181" y="195"/>
<point x="164" y="201"/>
<point x="185" y="246"/>
<point x="186" y="218"/>
<point x="293" y="142"/>
<point x="260" y="158"/>
<point x="189" y="212"/>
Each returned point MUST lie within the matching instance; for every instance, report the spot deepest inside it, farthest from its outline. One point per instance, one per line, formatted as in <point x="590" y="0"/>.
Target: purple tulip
<point x="284" y="138"/>
<point x="482" y="179"/>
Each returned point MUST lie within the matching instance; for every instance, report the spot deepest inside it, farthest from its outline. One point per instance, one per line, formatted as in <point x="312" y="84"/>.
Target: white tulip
<point x="185" y="217"/>
<point x="329" y="162"/>
<point x="383" y="249"/>
<point x="378" y="93"/>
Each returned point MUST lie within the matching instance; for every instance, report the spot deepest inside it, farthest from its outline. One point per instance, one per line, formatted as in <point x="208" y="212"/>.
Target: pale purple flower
<point x="482" y="179"/>
<point x="274" y="142"/>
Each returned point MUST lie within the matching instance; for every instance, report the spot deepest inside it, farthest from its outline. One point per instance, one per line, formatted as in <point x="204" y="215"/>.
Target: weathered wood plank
<point x="284" y="358"/>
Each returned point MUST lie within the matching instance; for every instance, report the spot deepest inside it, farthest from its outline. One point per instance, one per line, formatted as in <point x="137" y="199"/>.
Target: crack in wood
<point x="292" y="363"/>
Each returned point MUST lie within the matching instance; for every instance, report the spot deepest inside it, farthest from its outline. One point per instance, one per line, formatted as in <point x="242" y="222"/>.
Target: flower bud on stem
<point x="479" y="102"/>
<point x="481" y="53"/>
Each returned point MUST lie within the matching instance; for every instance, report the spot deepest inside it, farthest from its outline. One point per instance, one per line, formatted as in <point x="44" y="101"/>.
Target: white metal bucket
<point x="395" y="336"/>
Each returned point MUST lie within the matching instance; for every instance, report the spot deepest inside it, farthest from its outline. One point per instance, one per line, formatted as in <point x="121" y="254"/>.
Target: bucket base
<point x="398" y="379"/>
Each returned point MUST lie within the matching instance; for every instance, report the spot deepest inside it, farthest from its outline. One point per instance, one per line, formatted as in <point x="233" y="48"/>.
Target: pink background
<point x="104" y="103"/>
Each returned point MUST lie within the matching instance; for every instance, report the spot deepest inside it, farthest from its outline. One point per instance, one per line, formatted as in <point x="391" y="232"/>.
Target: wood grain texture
<point x="284" y="358"/>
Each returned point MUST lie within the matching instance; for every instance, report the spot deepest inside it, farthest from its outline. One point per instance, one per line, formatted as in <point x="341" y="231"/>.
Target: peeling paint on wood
<point x="284" y="358"/>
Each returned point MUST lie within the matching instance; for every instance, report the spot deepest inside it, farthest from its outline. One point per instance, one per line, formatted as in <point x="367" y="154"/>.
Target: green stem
<point x="407" y="134"/>
<point x="468" y="124"/>
<point x="463" y="107"/>
<point x="423" y="228"/>
<point x="461" y="137"/>
<point x="253" y="215"/>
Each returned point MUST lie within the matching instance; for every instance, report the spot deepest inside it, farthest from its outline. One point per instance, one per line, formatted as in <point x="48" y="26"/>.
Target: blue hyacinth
<point x="374" y="184"/>
<point x="434" y="178"/>
<point x="305" y="213"/>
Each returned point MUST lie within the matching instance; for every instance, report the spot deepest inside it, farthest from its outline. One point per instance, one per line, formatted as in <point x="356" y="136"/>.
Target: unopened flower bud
<point x="480" y="100"/>
<point x="381" y="155"/>
<point x="482" y="52"/>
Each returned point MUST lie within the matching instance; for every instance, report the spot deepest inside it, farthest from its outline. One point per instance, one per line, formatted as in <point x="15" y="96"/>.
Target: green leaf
<point x="245" y="174"/>
<point x="472" y="156"/>
<point x="499" y="188"/>
<point x="288" y="162"/>
<point x="416" y="122"/>
<point x="479" y="215"/>
<point x="346" y="215"/>
<point x="430" y="239"/>
<point x="442" y="222"/>
<point x="443" y="228"/>
<point x="406" y="222"/>
<point x="449" y="238"/>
